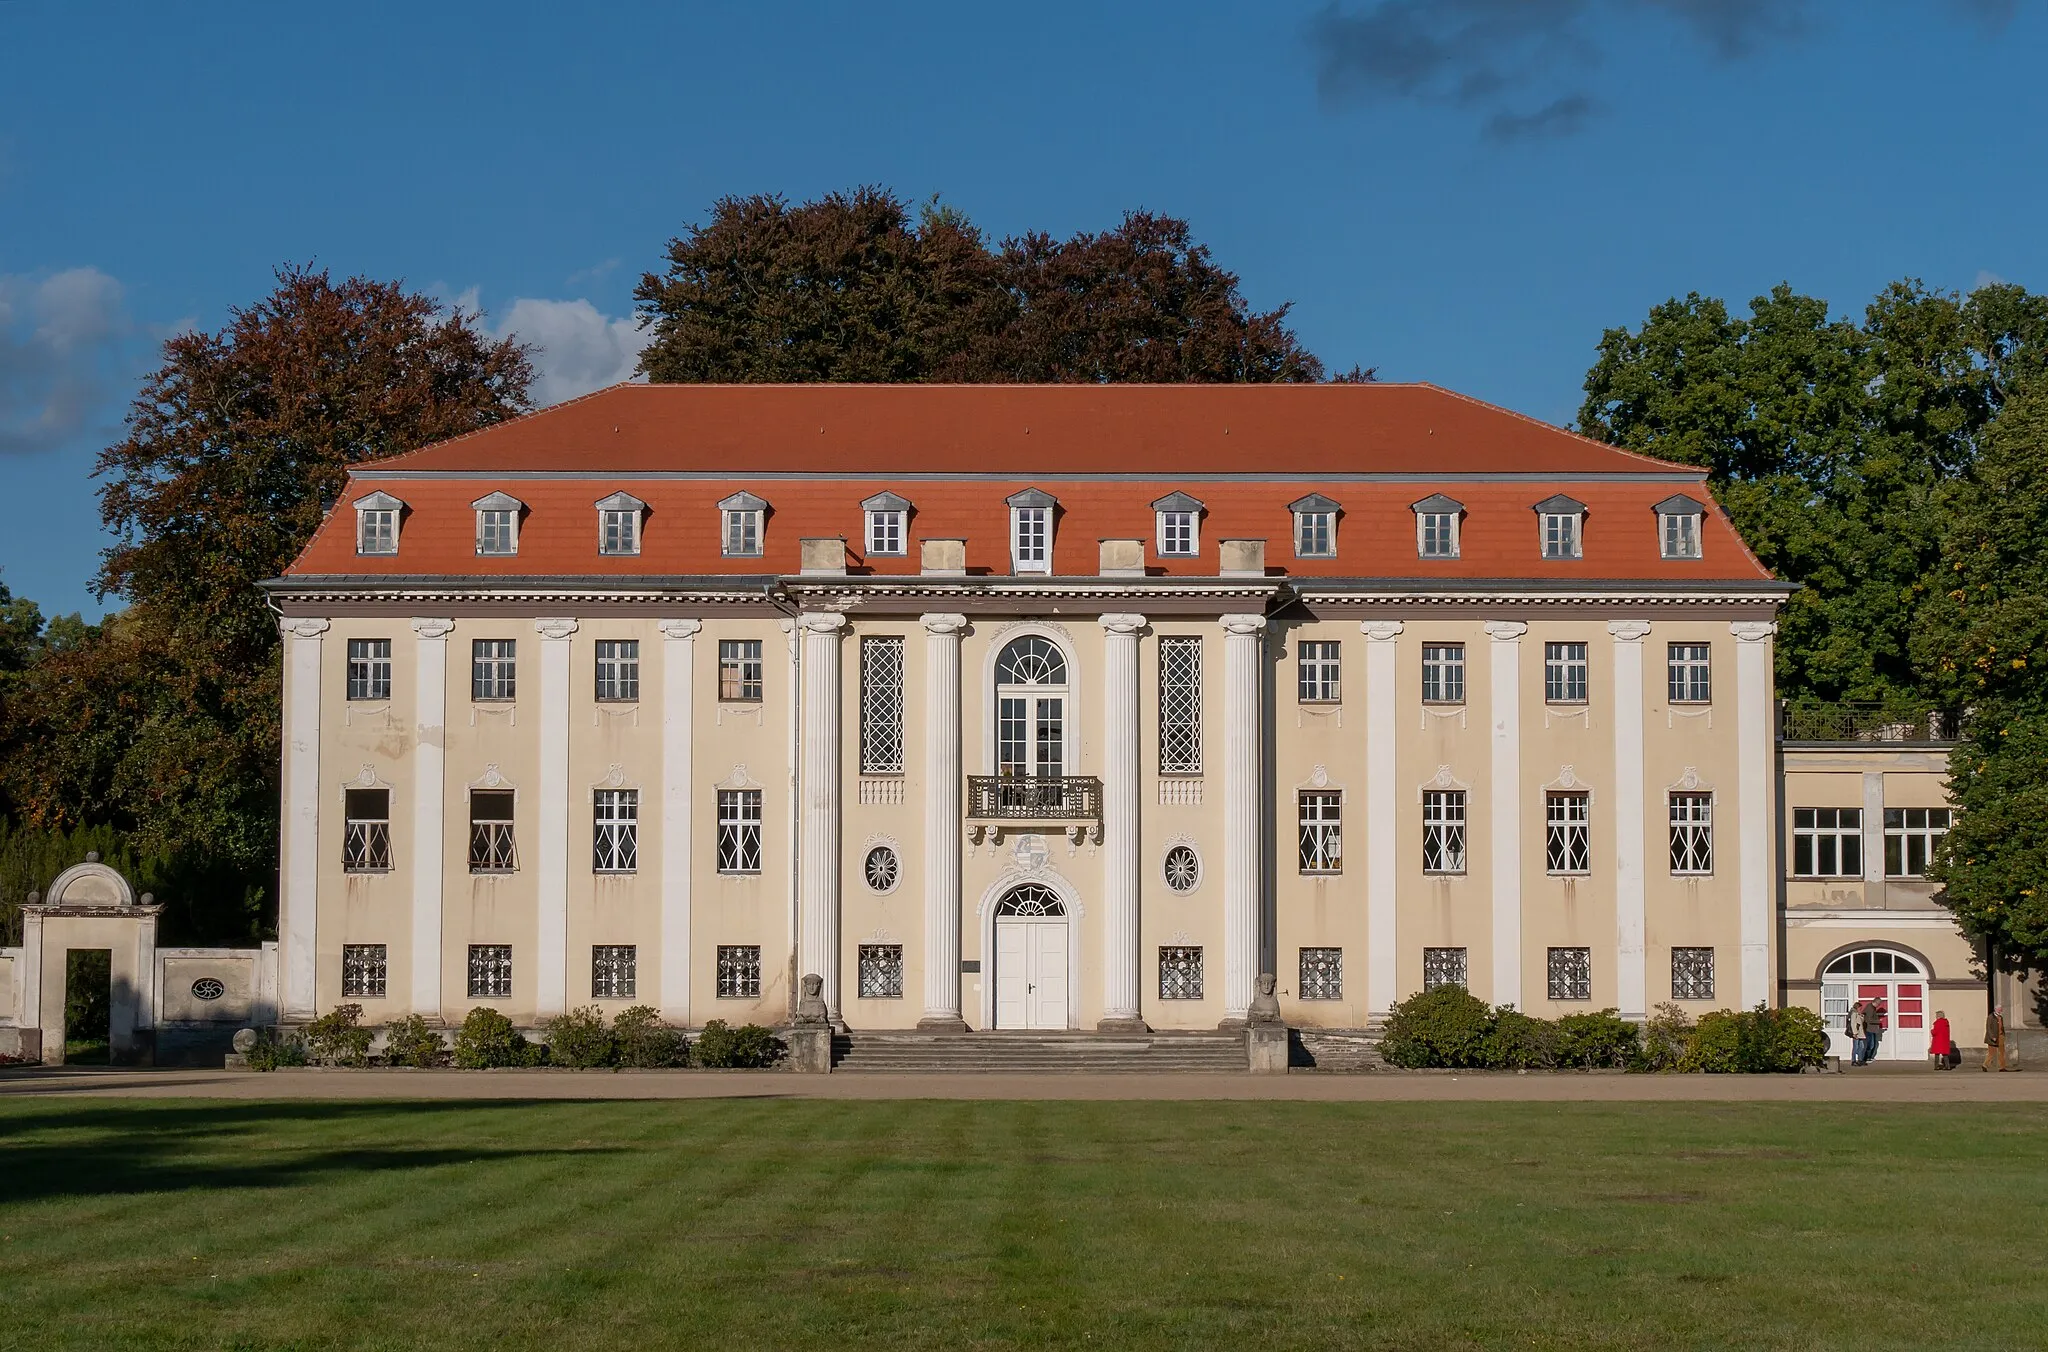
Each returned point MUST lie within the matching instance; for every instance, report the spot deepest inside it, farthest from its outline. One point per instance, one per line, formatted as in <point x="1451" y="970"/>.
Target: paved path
<point x="1904" y="1085"/>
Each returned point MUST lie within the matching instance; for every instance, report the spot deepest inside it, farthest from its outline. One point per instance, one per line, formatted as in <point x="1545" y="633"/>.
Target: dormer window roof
<point x="1031" y="524"/>
<point x="1179" y="518"/>
<point x="1561" y="523"/>
<point x="1437" y="521"/>
<point x="888" y="515"/>
<point x="618" y="523"/>
<point x="1679" y="521"/>
<point x="1315" y="526"/>
<point x="885" y="502"/>
<point x="378" y="517"/>
<point x="740" y="518"/>
<point x="497" y="523"/>
<point x="1032" y="497"/>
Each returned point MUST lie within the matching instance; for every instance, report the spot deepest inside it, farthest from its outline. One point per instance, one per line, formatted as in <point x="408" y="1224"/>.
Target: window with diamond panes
<point x="1692" y="833"/>
<point x="615" y="830"/>
<point x="881" y="971"/>
<point x="369" y="668"/>
<point x="493" y="668"/>
<point x="366" y="830"/>
<point x="1567" y="844"/>
<point x="1443" y="673"/>
<point x="1180" y="972"/>
<point x="739" y="971"/>
<point x="1322" y="974"/>
<point x="490" y="971"/>
<point x="1690" y="672"/>
<point x="1827" y="842"/>
<point x="1571" y="973"/>
<point x="739" y="830"/>
<point x="1322" y="832"/>
<point x="739" y="669"/>
<point x="363" y="971"/>
<point x="881" y="706"/>
<point x="1443" y="831"/>
<point x="614" y="971"/>
<point x="618" y="670"/>
<point x="1443" y="967"/>
<point x="490" y="831"/>
<point x="1180" y="706"/>
<point x="1564" y="673"/>
<point x="1692" y="973"/>
<point x="1315" y="535"/>
<point x="1319" y="673"/>
<point x="1910" y="835"/>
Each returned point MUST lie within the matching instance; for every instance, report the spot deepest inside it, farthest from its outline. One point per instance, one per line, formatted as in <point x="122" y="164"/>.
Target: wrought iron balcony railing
<point x="1044" y="798"/>
<point x="1864" y="723"/>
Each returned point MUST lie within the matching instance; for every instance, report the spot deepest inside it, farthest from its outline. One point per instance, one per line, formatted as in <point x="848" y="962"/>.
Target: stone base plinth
<point x="1266" y="1048"/>
<point x="810" y="1048"/>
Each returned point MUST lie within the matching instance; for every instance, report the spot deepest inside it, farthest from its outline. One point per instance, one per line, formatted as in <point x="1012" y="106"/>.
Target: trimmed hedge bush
<point x="748" y="1047"/>
<point x="580" y="1039"/>
<point x="1754" y="1041"/>
<point x="412" y="1041"/>
<point x="644" y="1042"/>
<point x="1449" y="1028"/>
<point x="339" y="1038"/>
<point x="487" y="1040"/>
<point x="1598" y="1041"/>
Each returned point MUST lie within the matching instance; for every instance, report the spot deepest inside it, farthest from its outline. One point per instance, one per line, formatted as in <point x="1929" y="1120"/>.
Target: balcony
<point x="999" y="800"/>
<point x="1862" y="724"/>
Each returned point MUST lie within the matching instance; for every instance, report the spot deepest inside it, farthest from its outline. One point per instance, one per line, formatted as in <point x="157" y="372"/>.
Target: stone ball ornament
<point x="245" y="1040"/>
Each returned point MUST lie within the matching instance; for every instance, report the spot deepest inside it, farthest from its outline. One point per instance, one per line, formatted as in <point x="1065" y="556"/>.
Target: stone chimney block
<point x="824" y="556"/>
<point x="942" y="558"/>
<point x="1122" y="558"/>
<point x="1242" y="558"/>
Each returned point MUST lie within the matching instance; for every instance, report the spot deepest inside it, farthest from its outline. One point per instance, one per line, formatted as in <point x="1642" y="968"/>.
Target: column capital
<point x="298" y="626"/>
<point x="1753" y="631"/>
<point x="1244" y="624"/>
<point x="1122" y="624"/>
<point x="943" y="624"/>
<point x="821" y="621"/>
<point x="1505" y="631"/>
<point x="1380" y="631"/>
<point x="680" y="628"/>
<point x="556" y="628"/>
<point x="1629" y="631"/>
<point x="433" y="628"/>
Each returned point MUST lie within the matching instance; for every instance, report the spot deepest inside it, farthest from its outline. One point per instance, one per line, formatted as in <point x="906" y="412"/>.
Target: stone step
<point x="1336" y="1049"/>
<point x="1039" y="1053"/>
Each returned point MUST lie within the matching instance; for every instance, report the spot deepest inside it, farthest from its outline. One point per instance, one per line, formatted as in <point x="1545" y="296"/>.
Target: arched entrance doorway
<point x="1031" y="958"/>
<point x="1897" y="980"/>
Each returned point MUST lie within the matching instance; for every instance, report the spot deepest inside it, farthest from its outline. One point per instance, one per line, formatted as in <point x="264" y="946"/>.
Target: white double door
<point x="1031" y="973"/>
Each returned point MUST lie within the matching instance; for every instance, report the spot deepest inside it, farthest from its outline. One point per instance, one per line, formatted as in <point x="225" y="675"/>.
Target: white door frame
<point x="1069" y="898"/>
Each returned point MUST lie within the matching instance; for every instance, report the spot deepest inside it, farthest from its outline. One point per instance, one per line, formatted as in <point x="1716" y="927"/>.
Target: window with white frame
<point x="1318" y="671"/>
<point x="618" y="524"/>
<point x="1180" y="972"/>
<point x="739" y="830"/>
<point x="369" y="668"/>
<point x="1827" y="842"/>
<point x="740" y="528"/>
<point x="366" y="831"/>
<point x="1562" y="527"/>
<point x="1910" y="836"/>
<point x="1315" y="535"/>
<point x="1443" y="831"/>
<point x="881" y="705"/>
<point x="493" y="668"/>
<point x="1031" y="531"/>
<point x="491" y="848"/>
<point x="615" y="830"/>
<point x="614" y="971"/>
<point x="1571" y="973"/>
<point x="1692" y="973"/>
<point x="739" y="971"/>
<point x="1564" y="673"/>
<point x="1679" y="522"/>
<point x="618" y="670"/>
<point x="1436" y="526"/>
<point x="1322" y="831"/>
<point x="1568" y="825"/>
<point x="490" y="971"/>
<point x="1179" y="519"/>
<point x="1180" y="705"/>
<point x="1443" y="673"/>
<point x="377" y="519"/>
<point x="1443" y="967"/>
<point x="365" y="971"/>
<point x="1690" y="669"/>
<point x="1321" y="974"/>
<point x="497" y="523"/>
<point x="888" y="518"/>
<point x="880" y="969"/>
<point x="739" y="670"/>
<point x="1692" y="833"/>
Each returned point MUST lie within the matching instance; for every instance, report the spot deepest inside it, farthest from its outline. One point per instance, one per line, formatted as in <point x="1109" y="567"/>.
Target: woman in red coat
<point x="1939" y="1043"/>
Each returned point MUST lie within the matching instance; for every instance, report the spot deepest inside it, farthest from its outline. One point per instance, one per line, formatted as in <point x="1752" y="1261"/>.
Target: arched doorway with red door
<point x="1898" y="980"/>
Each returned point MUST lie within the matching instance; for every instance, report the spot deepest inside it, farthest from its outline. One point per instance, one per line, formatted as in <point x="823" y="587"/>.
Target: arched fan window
<point x="1031" y="900"/>
<point x="1031" y="661"/>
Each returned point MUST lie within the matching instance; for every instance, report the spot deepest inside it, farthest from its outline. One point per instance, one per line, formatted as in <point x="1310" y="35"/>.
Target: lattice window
<point x="618" y="670"/>
<point x="1322" y="974"/>
<point x="369" y="668"/>
<point x="1443" y="831"/>
<point x="739" y="971"/>
<point x="1564" y="673"/>
<point x="366" y="830"/>
<point x="491" y="848"/>
<point x="615" y="834"/>
<point x="1827" y="842"/>
<point x="490" y="971"/>
<point x="1690" y="669"/>
<point x="1692" y="973"/>
<point x="1183" y="869"/>
<point x="881" y="971"/>
<point x="881" y="706"/>
<point x="1568" y="826"/>
<point x="614" y="971"/>
<point x="739" y="669"/>
<point x="1322" y="832"/>
<point x="1180" y="972"/>
<point x="1443" y="967"/>
<point x="1571" y="973"/>
<point x="1180" y="706"/>
<point x="1443" y="673"/>
<point x="363" y="971"/>
<point x="1910" y="837"/>
<point x="1692" y="833"/>
<point x="493" y="668"/>
<point x="1319" y="673"/>
<point x="739" y="830"/>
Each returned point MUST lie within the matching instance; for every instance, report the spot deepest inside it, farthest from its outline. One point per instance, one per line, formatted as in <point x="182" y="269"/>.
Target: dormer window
<point x="741" y="516"/>
<point x="1436" y="526"/>
<point x="1031" y="530"/>
<point x="1179" y="520"/>
<point x="1563" y="527"/>
<point x="377" y="518"/>
<point x="1315" y="527"/>
<point x="888" y="518"/>
<point x="618" y="524"/>
<point x="497" y="523"/>
<point x="1679" y="519"/>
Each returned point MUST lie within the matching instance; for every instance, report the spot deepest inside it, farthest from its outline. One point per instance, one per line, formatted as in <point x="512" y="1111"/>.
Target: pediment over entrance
<point x="90" y="886"/>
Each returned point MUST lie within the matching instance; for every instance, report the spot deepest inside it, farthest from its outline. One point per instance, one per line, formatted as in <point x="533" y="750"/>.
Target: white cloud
<point x="1985" y="278"/>
<point x="62" y="338"/>
<point x="577" y="348"/>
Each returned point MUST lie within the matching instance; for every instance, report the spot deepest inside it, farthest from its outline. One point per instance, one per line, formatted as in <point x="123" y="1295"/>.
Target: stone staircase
<point x="1347" y="1049"/>
<point x="1039" y="1053"/>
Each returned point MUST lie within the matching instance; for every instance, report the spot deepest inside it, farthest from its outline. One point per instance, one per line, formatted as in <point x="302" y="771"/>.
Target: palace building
<point x="1070" y="707"/>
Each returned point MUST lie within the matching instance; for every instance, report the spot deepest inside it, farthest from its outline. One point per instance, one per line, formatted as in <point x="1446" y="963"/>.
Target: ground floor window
<point x="490" y="971"/>
<point x="1442" y="967"/>
<point x="881" y="971"/>
<point x="1692" y="973"/>
<point x="614" y="971"/>
<point x="363" y="971"/>
<point x="1571" y="973"/>
<point x="1322" y="974"/>
<point x="1180" y="972"/>
<point x="739" y="971"/>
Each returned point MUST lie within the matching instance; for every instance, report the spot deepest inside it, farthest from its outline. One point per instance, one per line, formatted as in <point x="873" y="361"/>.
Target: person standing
<point x="1873" y="1029"/>
<point x="1994" y="1037"/>
<point x="1858" y="1030"/>
<point x="1939" y="1042"/>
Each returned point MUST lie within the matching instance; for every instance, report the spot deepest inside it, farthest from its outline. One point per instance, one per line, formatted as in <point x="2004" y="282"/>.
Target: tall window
<point x="881" y="706"/>
<point x="1031" y="709"/>
<point x="739" y="971"/>
<point x="618" y="670"/>
<point x="1561" y="532"/>
<point x="490" y="832"/>
<point x="739" y="669"/>
<point x="369" y="668"/>
<point x="493" y="668"/>
<point x="377" y="530"/>
<point x="1319" y="671"/>
<point x="1692" y="973"/>
<point x="1827" y="842"/>
<point x="1322" y="832"/>
<point x="1031" y="539"/>
<point x="490" y="971"/>
<point x="885" y="531"/>
<point x="497" y="530"/>
<point x="742" y="533"/>
<point x="1571" y="973"/>
<point x="880" y="971"/>
<point x="1177" y="534"/>
<point x="1180" y="706"/>
<point x="1910" y="835"/>
<point x="364" y="971"/>
<point x="618" y="530"/>
<point x="1321" y="974"/>
<point x="1692" y="833"/>
<point x="614" y="971"/>
<point x="1443" y="673"/>
<point x="366" y="830"/>
<point x="1180" y="972"/>
<point x="1691" y="673"/>
<point x="739" y="830"/>
<point x="1436" y="535"/>
<point x="1564" y="673"/>
<point x="1443" y="831"/>
<point x="616" y="830"/>
<point x="1680" y="537"/>
<point x="1315" y="534"/>
<point x="1443" y="967"/>
<point x="1568" y="846"/>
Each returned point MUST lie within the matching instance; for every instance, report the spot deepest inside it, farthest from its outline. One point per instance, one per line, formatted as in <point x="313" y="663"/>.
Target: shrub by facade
<point x="1449" y="1028"/>
<point x="1666" y="1034"/>
<point x="271" y="1052"/>
<point x="1754" y="1041"/>
<point x="1445" y="1027"/>
<point x="1598" y="1041"/>
<point x="487" y="1040"/>
<point x="339" y="1038"/>
<point x="748" y="1047"/>
<point x="1518" y="1041"/>
<point x="580" y="1039"/>
<point x="644" y="1042"/>
<point x="412" y="1041"/>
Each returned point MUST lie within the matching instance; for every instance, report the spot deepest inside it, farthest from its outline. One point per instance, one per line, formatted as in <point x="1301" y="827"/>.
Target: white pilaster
<point x="942" y="823"/>
<point x="1243" y="637"/>
<point x="678" y="719"/>
<point x="551" y="850"/>
<point x="300" y="909"/>
<point x="1631" y="843"/>
<point x="1504" y="712"/>
<point x="1753" y="809"/>
<point x="429" y="809"/>
<point x="1120" y="961"/>
<point x="1873" y="837"/>
<point x="818" y="791"/>
<point x="1382" y="851"/>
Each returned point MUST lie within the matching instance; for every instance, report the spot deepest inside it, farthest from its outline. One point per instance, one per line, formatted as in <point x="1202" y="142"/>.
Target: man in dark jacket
<point x="1994" y="1038"/>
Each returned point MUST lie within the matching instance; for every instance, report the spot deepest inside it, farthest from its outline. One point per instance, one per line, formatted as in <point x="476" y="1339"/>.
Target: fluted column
<point x="1630" y="826"/>
<point x="942" y="774"/>
<point x="429" y="810"/>
<point x="1120" y="964"/>
<point x="300" y="910"/>
<point x="818" y="794"/>
<point x="1382" y="854"/>
<point x="678" y="803"/>
<point x="1242" y="637"/>
<point x="551" y="975"/>
<point x="1753" y="801"/>
<point x="1504" y="717"/>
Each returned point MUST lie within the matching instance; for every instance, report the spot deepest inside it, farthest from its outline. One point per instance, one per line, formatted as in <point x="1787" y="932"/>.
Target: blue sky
<point x="1463" y="191"/>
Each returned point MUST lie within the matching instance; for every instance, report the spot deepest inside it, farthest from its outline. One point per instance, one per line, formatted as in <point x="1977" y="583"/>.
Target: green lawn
<point x="765" y="1223"/>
